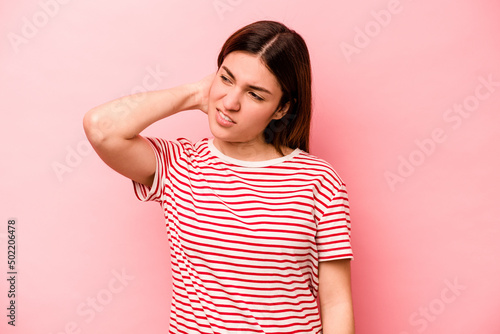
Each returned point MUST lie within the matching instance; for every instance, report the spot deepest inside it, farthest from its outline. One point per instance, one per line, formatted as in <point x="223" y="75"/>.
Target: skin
<point x="335" y="297"/>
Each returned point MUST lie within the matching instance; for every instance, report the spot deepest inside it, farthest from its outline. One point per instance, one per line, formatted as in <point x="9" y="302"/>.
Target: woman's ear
<point x="281" y="111"/>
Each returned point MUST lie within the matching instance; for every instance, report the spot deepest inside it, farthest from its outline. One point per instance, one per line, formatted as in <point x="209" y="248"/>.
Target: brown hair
<point x="285" y="54"/>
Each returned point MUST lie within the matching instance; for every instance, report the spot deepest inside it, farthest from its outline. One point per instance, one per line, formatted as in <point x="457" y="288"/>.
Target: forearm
<point x="338" y="318"/>
<point x="126" y="117"/>
<point x="335" y="297"/>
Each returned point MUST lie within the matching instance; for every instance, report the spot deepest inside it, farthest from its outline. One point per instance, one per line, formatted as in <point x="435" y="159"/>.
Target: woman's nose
<point x="232" y="100"/>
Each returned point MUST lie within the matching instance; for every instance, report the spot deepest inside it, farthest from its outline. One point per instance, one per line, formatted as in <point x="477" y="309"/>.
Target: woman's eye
<point x="255" y="96"/>
<point x="224" y="78"/>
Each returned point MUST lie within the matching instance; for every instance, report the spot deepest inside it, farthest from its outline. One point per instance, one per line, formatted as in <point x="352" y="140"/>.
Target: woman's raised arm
<point x="113" y="128"/>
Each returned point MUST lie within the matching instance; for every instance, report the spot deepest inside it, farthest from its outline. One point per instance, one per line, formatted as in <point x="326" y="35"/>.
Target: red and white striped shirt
<point x="246" y="236"/>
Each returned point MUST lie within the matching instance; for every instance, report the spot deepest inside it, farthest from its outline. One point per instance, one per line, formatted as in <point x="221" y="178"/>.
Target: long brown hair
<point x="285" y="54"/>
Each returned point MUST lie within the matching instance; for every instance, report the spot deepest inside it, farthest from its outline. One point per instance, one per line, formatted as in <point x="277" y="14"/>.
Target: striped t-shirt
<point x="246" y="236"/>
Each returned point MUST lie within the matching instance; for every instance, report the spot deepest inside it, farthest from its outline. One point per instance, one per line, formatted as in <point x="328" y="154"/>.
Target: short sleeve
<point x="162" y="149"/>
<point x="333" y="237"/>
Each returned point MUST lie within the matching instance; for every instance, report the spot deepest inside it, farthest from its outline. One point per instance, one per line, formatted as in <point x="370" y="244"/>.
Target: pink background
<point x="422" y="177"/>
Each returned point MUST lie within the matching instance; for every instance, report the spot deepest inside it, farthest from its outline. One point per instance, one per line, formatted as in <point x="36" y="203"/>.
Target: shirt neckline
<point x="245" y="163"/>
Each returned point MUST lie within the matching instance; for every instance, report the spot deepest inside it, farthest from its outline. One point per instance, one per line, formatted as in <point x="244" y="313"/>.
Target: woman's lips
<point x="223" y="118"/>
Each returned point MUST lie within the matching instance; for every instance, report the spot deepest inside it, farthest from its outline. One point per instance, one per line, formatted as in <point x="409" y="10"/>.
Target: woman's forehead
<point x="250" y="69"/>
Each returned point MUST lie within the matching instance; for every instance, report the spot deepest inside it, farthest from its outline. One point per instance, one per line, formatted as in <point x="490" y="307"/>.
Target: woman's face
<point x="247" y="93"/>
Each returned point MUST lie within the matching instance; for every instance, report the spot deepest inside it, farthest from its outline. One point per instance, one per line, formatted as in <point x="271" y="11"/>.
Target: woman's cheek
<point x="217" y="90"/>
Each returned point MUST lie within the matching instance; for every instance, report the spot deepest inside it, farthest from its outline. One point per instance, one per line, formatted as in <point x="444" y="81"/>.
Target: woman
<point x="258" y="228"/>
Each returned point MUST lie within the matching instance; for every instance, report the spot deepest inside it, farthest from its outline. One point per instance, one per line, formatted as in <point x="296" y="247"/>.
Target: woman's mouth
<point x="223" y="119"/>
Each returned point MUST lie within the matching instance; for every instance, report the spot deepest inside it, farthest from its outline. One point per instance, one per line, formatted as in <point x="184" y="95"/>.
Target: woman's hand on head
<point x="203" y="92"/>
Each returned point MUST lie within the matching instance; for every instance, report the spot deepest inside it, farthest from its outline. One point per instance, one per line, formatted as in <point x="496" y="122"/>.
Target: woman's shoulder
<point x="180" y="146"/>
<point x="180" y="141"/>
<point x="321" y="167"/>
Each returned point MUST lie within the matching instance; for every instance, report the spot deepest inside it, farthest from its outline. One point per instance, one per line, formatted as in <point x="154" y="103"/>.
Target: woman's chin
<point x="222" y="137"/>
<point x="221" y="133"/>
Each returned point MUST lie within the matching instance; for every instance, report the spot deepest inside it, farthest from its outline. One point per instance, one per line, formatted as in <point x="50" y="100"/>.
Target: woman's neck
<point x="249" y="151"/>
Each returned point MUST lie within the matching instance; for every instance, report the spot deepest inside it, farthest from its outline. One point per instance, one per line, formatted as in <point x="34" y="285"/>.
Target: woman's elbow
<point x="96" y="128"/>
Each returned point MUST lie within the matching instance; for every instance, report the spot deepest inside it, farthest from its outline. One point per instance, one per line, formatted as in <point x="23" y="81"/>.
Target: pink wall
<point x="406" y="109"/>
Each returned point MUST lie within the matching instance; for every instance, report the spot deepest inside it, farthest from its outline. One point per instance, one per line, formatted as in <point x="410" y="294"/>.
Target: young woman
<point x="259" y="229"/>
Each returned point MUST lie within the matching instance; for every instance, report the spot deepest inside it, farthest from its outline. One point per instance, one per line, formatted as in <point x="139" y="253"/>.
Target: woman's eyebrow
<point x="257" y="88"/>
